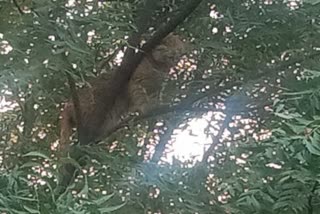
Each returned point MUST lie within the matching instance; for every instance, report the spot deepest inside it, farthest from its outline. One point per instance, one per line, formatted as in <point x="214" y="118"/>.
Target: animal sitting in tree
<point x="140" y="95"/>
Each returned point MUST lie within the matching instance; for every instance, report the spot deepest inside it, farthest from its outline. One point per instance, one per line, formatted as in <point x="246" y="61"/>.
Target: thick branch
<point x="186" y="105"/>
<point x="132" y="58"/>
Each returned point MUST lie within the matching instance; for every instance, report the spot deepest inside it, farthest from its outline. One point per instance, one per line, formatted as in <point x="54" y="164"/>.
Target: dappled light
<point x="222" y="118"/>
<point x="190" y="143"/>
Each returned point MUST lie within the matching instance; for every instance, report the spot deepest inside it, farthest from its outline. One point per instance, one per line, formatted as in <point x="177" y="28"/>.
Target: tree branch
<point x="216" y="139"/>
<point x="18" y="7"/>
<point x="130" y="62"/>
<point x="132" y="58"/>
<point x="272" y="71"/>
<point x="164" y="139"/>
<point x="184" y="106"/>
<point x="76" y="103"/>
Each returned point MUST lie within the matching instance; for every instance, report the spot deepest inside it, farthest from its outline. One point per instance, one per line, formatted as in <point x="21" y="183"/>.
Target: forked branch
<point x="132" y="58"/>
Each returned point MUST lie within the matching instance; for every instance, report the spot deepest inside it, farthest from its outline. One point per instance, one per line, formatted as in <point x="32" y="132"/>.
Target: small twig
<point x="76" y="104"/>
<point x="18" y="7"/>
<point x="164" y="139"/>
<point x="216" y="139"/>
<point x="104" y="62"/>
<point x="310" y="207"/>
<point x="164" y="109"/>
<point x="271" y="71"/>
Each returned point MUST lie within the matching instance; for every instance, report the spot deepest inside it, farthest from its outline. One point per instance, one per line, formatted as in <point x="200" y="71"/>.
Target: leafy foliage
<point x="257" y="59"/>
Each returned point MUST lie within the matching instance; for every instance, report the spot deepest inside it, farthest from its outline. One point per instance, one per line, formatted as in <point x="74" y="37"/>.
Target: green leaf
<point x="24" y="198"/>
<point x="103" y="199"/>
<point x="30" y="210"/>
<point x="36" y="154"/>
<point x="69" y="160"/>
<point x="30" y="164"/>
<point x="85" y="188"/>
<point x="313" y="149"/>
<point x="111" y="209"/>
<point x="288" y="116"/>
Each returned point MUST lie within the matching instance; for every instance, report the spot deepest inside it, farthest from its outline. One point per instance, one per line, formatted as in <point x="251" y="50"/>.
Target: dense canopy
<point x="237" y="131"/>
